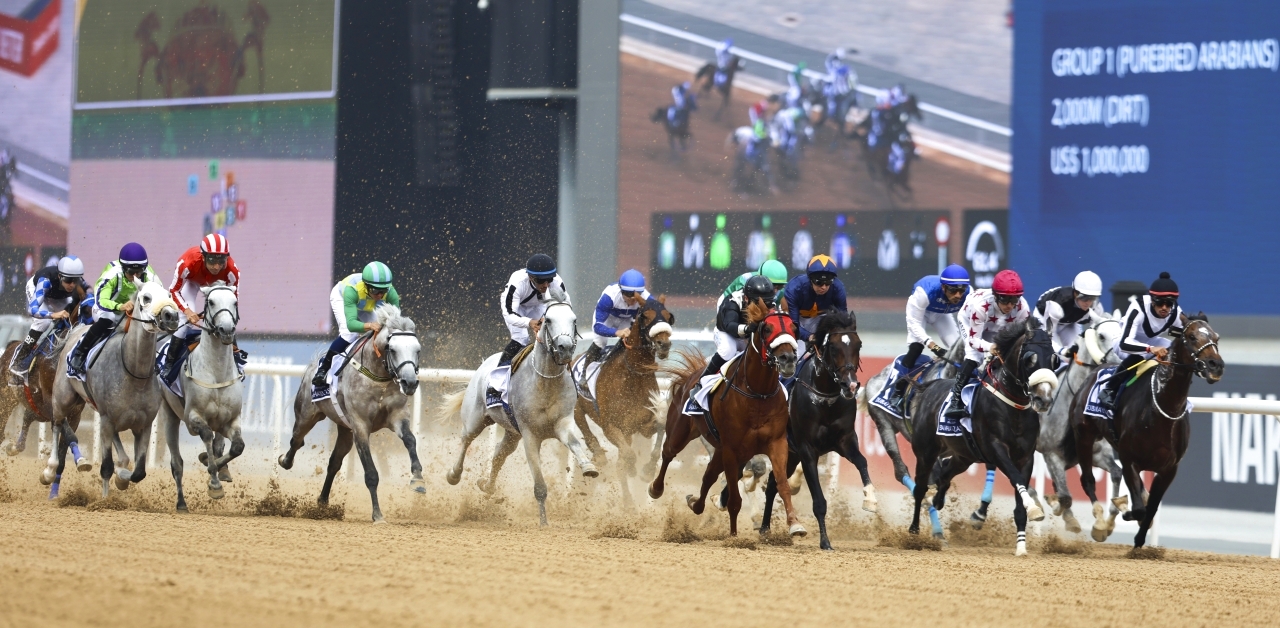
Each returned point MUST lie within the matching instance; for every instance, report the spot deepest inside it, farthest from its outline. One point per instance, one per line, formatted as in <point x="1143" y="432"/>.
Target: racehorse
<point x="751" y="171"/>
<point x="627" y="391"/>
<point x="1149" y="432"/>
<point x="35" y="402"/>
<point x="120" y="383"/>
<point x="1017" y="384"/>
<point x="888" y="146"/>
<point x="542" y="398"/>
<point x="211" y="392"/>
<point x="387" y="363"/>
<point x="747" y="415"/>
<point x="1056" y="442"/>
<point x="709" y="76"/>
<point x="676" y="122"/>
<point x="824" y="412"/>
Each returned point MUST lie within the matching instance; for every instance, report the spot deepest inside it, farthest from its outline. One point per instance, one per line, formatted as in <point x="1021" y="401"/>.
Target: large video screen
<point x="1145" y="141"/>
<point x="195" y="117"/>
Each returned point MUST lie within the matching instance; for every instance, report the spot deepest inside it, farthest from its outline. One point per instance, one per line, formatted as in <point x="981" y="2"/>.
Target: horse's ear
<point x="205" y="290"/>
<point x="671" y="317"/>
<point x="662" y="298"/>
<point x="649" y="315"/>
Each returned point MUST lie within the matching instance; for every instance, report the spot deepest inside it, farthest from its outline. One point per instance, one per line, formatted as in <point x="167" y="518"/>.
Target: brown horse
<point x="747" y="414"/>
<point x="1149" y="432"/>
<point x="626" y="390"/>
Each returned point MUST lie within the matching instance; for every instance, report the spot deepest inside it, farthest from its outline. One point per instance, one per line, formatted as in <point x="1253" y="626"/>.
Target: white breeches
<point x="340" y="315"/>
<point x="727" y="346"/>
<point x="944" y="325"/>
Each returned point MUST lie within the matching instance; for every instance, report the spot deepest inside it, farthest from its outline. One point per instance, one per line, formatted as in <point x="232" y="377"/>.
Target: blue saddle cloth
<point x="1092" y="406"/>
<point x="956" y="426"/>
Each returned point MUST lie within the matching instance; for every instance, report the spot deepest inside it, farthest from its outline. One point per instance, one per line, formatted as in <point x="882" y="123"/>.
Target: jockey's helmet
<point x="955" y="274"/>
<point x="376" y="275"/>
<point x="215" y="244"/>
<point x="1164" y="287"/>
<point x="540" y="266"/>
<point x="776" y="272"/>
<point x="631" y="281"/>
<point x="821" y="267"/>
<point x="759" y="287"/>
<point x="1088" y="283"/>
<point x="132" y="254"/>
<point x="1007" y="283"/>
<point x="71" y="266"/>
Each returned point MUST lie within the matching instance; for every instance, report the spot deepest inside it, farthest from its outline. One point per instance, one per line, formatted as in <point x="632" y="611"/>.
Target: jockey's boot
<point x="173" y="353"/>
<point x="594" y="352"/>
<point x="322" y="370"/>
<point x="957" y="409"/>
<point x="22" y="357"/>
<point x="899" y="394"/>
<point x="95" y="333"/>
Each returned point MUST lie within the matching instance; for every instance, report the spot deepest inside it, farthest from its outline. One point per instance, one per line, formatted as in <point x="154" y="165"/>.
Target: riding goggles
<point x="1007" y="299"/>
<point x="628" y="293"/>
<point x="215" y="259"/>
<point x="540" y="281"/>
<point x="1164" y="301"/>
<point x="954" y="288"/>
<point x="821" y="281"/>
<point x="132" y="269"/>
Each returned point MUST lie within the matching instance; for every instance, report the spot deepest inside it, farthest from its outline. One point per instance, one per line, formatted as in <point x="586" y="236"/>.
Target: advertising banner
<point x="986" y="244"/>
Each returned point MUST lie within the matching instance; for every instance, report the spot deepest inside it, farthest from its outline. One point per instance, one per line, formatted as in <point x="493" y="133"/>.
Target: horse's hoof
<point x="182" y="509"/>
<point x="798" y="530"/>
<point x="284" y="464"/>
<point x="1073" y="525"/>
<point x="1121" y="503"/>
<point x="379" y="521"/>
<point x="121" y="483"/>
<point x="224" y="475"/>
<point x="1054" y="505"/>
<point x="13" y="450"/>
<point x="418" y="486"/>
<point x="870" y="505"/>
<point x="216" y="492"/>
<point x="589" y="471"/>
<point x="53" y="491"/>
<point x="1099" y="534"/>
<point x="1021" y="549"/>
<point x="720" y="505"/>
<point x="484" y="486"/>
<point x="654" y="492"/>
<point x="453" y="478"/>
<point x="1034" y="513"/>
<point x="83" y="464"/>
<point x="690" y="500"/>
<point x="46" y="476"/>
<point x="1111" y="525"/>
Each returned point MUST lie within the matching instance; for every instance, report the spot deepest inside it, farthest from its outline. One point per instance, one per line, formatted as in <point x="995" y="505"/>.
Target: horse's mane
<point x="1010" y="335"/>
<point x="389" y="316"/>
<point x="691" y="362"/>
<point x="1199" y="316"/>
<point x="756" y="311"/>
<point x="832" y="320"/>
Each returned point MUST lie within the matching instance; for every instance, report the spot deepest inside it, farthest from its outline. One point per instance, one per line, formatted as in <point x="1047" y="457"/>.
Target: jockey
<point x="684" y="97"/>
<point x="795" y="86"/>
<point x="615" y="310"/>
<point x="113" y="298"/>
<point x="198" y="267"/>
<point x="763" y="111"/>
<point x="984" y="314"/>
<point x="1146" y="324"/>
<point x="354" y="300"/>
<point x="523" y="301"/>
<point x="724" y="58"/>
<point x="1065" y="311"/>
<point x="809" y="296"/>
<point x="933" y="304"/>
<point x="50" y="294"/>
<point x="732" y="329"/>
<point x="773" y="269"/>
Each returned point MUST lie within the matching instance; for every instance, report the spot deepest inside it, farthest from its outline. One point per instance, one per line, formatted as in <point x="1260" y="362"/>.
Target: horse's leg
<point x="73" y="442"/>
<point x="1021" y="500"/>
<point x="469" y="434"/>
<point x="1084" y="445"/>
<point x="302" y="424"/>
<point x="926" y="448"/>
<point x="712" y="473"/>
<point x="770" y="491"/>
<point x="370" y="471"/>
<point x="411" y="443"/>
<point x="237" y="448"/>
<point x="580" y="419"/>
<point x="889" y="437"/>
<point x="626" y="464"/>
<point x="141" y="445"/>
<point x="1053" y="460"/>
<point x="1024" y="507"/>
<point x="853" y="453"/>
<point x="979" y="516"/>
<point x="1159" y="484"/>
<point x="107" y="467"/>
<point x="809" y="462"/>
<point x="210" y="461"/>
<point x="778" y="458"/>
<point x="20" y="445"/>
<point x="171" y="422"/>
<point x="532" y="445"/>
<point x="507" y="445"/>
<point x="51" y="470"/>
<point x="1113" y="467"/>
<point x="732" y="473"/>
<point x="341" y="446"/>
<point x="60" y="444"/>
<point x="568" y="433"/>
<point x="1133" y="479"/>
<point x="679" y="431"/>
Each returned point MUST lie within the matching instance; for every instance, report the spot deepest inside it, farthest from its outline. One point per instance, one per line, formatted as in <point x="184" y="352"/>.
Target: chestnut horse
<point x="1149" y="432"/>
<point x="747" y="414"/>
<point x="627" y="391"/>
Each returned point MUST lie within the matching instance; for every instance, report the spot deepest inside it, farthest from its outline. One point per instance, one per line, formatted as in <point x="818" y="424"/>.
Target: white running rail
<point x="789" y="67"/>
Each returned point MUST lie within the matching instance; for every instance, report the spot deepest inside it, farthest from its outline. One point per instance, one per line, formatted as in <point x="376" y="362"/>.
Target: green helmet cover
<point x="776" y="271"/>
<point x="376" y="274"/>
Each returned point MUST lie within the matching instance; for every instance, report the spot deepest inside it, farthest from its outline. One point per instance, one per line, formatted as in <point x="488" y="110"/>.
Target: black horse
<point x="888" y="145"/>
<point x="709" y="76"/>
<point x="824" y="410"/>
<point x="676" y="122"/>
<point x="1149" y="431"/>
<point x="1017" y="384"/>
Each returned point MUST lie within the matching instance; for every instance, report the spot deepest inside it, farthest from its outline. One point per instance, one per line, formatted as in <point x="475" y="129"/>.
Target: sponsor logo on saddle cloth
<point x="952" y="427"/>
<point x="1094" y="408"/>
<point x="91" y="357"/>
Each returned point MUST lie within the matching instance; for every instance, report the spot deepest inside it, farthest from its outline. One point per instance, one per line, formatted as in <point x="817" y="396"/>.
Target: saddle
<point x="519" y="358"/>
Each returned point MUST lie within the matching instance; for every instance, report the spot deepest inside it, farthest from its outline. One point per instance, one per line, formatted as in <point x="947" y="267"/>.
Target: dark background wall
<point x="451" y="248"/>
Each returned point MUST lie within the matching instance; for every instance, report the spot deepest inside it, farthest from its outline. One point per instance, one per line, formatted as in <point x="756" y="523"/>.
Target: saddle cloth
<point x="319" y="393"/>
<point x="698" y="402"/>
<point x="90" y="358"/>
<point x="500" y="376"/>
<point x="162" y="363"/>
<point x="881" y="400"/>
<point x="954" y="427"/>
<point x="593" y="373"/>
<point x="1092" y="407"/>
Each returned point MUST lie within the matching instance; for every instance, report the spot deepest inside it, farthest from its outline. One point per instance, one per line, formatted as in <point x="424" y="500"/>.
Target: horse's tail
<point x="691" y="364"/>
<point x="659" y="403"/>
<point x="450" y="411"/>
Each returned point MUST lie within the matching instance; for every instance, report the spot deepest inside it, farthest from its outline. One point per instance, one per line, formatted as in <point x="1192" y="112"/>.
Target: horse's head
<point x="398" y="344"/>
<point x="221" y="311"/>
<point x="1030" y="361"/>
<point x="1101" y="340"/>
<point x="839" y="349"/>
<point x="1200" y="343"/>
<point x="153" y="308"/>
<point x="777" y="336"/>
<point x="559" y="331"/>
<point x="653" y="326"/>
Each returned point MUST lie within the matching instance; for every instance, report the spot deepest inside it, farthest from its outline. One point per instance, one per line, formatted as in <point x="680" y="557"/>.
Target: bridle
<point x="547" y="341"/>
<point x="150" y="322"/>
<point x="1197" y="365"/>
<point x="999" y="385"/>
<point x="646" y="341"/>
<point x="210" y="318"/>
<point x="820" y="365"/>
<point x="393" y="369"/>
<point x="771" y="361"/>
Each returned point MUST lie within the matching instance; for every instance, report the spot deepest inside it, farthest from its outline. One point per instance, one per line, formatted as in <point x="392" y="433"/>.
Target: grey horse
<point x="212" y="392"/>
<point x="542" y="398"/>
<point x="121" y="384"/>
<point x="1056" y="442"/>
<point x="373" y="393"/>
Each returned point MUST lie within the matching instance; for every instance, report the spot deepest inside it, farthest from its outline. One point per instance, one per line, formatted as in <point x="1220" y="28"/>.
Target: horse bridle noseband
<point x="771" y="362"/>
<point x="821" y="363"/>
<point x="573" y="337"/>
<point x="210" y="319"/>
<point x="1197" y="366"/>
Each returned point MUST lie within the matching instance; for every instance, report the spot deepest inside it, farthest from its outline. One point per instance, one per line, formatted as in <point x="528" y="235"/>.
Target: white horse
<point x="373" y="393"/>
<point x="1097" y="347"/>
<point x="121" y="383"/>
<point x="542" y="397"/>
<point x="212" y="392"/>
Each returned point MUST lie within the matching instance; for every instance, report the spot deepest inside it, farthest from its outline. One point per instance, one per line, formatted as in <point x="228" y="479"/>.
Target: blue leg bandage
<point x="908" y="482"/>
<point x="937" y="523"/>
<point x="990" y="486"/>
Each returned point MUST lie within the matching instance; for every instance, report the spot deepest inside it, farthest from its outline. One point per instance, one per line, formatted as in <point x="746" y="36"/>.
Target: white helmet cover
<point x="1088" y="283"/>
<point x="71" y="266"/>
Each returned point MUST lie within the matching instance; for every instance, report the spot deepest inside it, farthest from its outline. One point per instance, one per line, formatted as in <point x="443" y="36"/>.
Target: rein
<point x="1196" y="365"/>
<point x="820" y="364"/>
<point x="770" y="362"/>
<point x="544" y="338"/>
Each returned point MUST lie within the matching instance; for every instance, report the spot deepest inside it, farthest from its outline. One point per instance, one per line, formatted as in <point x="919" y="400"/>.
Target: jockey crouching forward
<point x="774" y="270"/>
<point x="932" y="306"/>
<point x="732" y="329"/>
<point x="199" y="267"/>
<point x="615" y="310"/>
<point x="354" y="300"/>
<point x="1147" y="323"/>
<point x="51" y="296"/>
<point x="113" y="298"/>
<point x="984" y="314"/>
<point x="1065" y="311"/>
<point x="523" y="301"/>
<point x="809" y="296"/>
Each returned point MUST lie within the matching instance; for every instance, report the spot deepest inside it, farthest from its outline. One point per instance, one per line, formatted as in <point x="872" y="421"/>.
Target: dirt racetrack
<point x="448" y="558"/>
